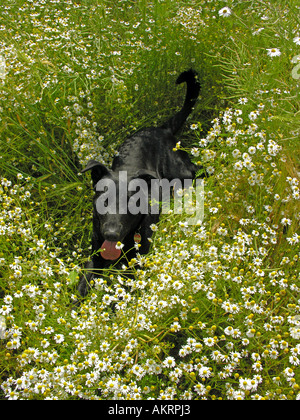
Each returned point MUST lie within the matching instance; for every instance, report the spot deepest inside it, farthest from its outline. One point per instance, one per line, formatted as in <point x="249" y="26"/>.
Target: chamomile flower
<point x="273" y="52"/>
<point x="243" y="101"/>
<point x="225" y="12"/>
<point x="58" y="338"/>
<point x="169" y="362"/>
<point x="296" y="40"/>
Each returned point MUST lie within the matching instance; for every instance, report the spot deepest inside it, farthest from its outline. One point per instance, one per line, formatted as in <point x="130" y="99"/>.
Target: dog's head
<point x="121" y="202"/>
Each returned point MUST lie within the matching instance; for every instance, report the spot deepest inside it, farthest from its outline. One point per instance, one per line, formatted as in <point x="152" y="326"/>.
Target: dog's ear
<point x="98" y="170"/>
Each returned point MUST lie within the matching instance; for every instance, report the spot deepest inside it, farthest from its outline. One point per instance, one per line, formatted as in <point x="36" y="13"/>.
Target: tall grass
<point x="213" y="311"/>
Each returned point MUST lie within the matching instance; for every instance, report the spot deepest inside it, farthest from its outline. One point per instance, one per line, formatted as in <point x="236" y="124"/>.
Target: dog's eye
<point x="103" y="191"/>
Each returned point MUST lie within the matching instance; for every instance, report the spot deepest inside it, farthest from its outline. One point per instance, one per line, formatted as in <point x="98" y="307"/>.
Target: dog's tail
<point x="192" y="93"/>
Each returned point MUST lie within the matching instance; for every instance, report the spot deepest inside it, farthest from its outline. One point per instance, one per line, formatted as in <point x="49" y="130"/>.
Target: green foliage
<point x="212" y="312"/>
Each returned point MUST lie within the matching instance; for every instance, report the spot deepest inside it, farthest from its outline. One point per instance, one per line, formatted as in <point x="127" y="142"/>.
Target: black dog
<point x="146" y="155"/>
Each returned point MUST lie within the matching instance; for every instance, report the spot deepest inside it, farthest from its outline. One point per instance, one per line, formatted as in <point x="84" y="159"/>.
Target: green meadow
<point x="213" y="311"/>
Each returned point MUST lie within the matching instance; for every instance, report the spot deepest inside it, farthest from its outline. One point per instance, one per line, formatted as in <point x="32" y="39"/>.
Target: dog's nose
<point x="111" y="232"/>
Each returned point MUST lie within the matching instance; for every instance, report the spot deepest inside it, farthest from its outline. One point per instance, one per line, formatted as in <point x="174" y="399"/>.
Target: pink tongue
<point x="109" y="251"/>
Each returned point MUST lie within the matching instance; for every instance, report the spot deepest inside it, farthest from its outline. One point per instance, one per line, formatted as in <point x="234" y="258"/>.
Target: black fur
<point x="147" y="154"/>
